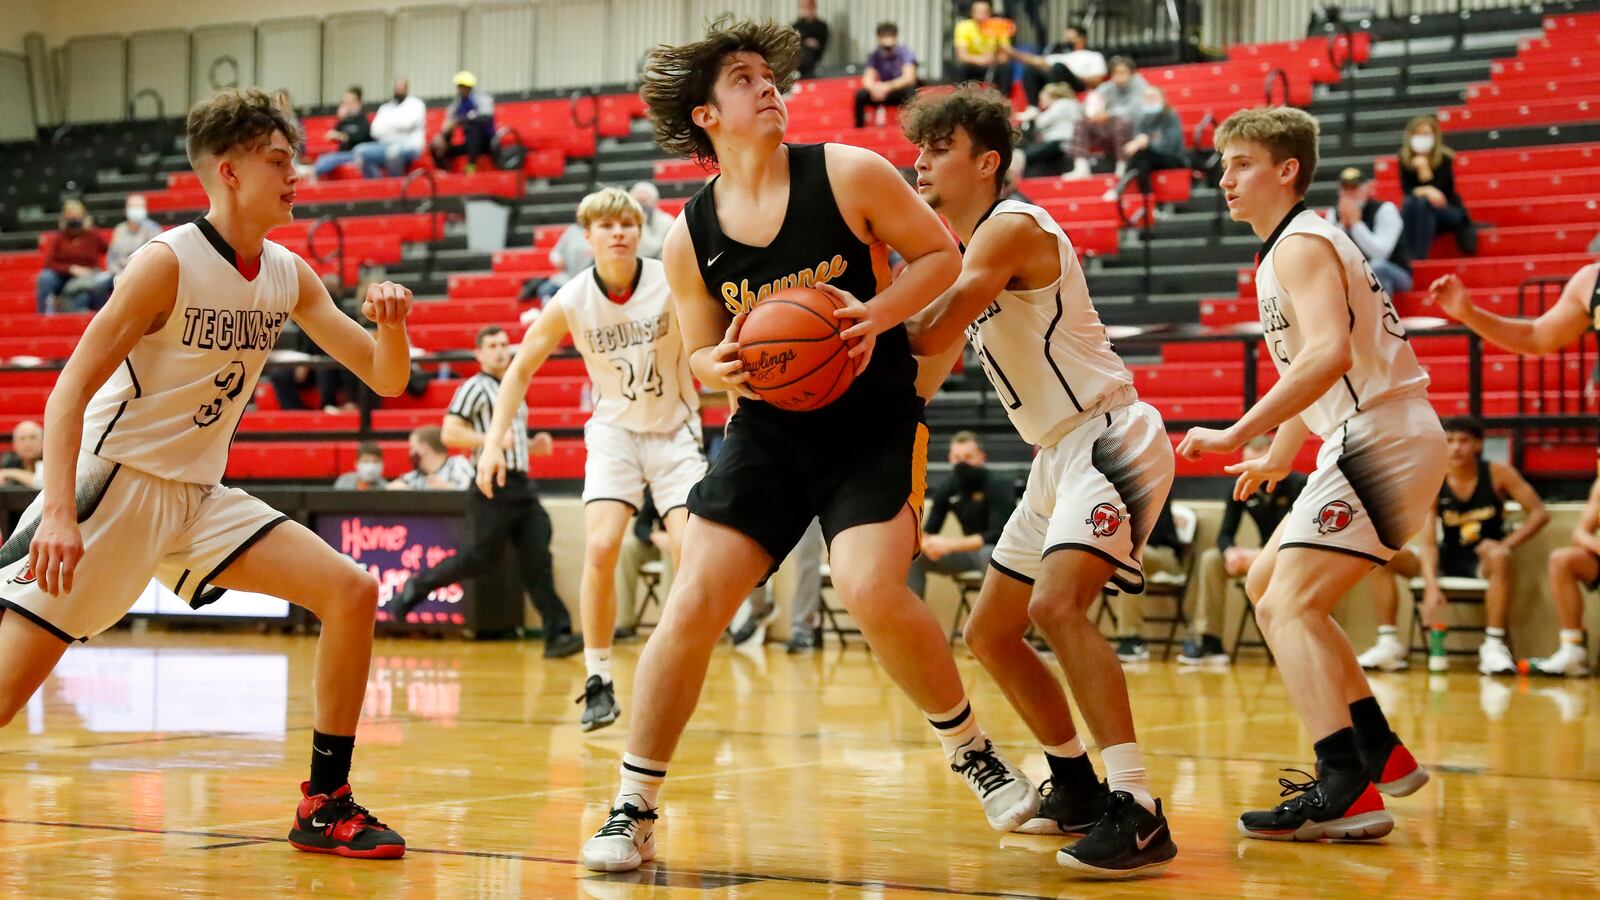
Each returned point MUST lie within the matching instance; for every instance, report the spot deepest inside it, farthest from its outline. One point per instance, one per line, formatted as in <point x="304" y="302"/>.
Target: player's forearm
<point x="390" y="368"/>
<point x="63" y="422"/>
<point x="703" y="365"/>
<point x="1428" y="556"/>
<point x="922" y="280"/>
<point x="1286" y="444"/>
<point x="1586" y="540"/>
<point x="1307" y="378"/>
<point x="513" y="388"/>
<point x="1531" y="525"/>
<point x="458" y="436"/>
<point x="1514" y="334"/>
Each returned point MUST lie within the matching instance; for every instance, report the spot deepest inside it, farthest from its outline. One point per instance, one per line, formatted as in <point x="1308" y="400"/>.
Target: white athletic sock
<point x="957" y="728"/>
<point x="1572" y="636"/>
<point x="1388" y="632"/>
<point x="1125" y="772"/>
<point x="598" y="662"/>
<point x="641" y="778"/>
<point x="1069" y="750"/>
<point x="1494" y="635"/>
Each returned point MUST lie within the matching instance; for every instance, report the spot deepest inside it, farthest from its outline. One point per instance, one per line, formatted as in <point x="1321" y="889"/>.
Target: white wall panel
<point x="45" y="78"/>
<point x="427" y="49"/>
<point x="159" y="61"/>
<point x="571" y="38"/>
<point x="498" y="45"/>
<point x="289" y="56"/>
<point x="95" y="70"/>
<point x="222" y="56"/>
<point x="16" y="100"/>
<point x="355" y="50"/>
<point x="635" y="27"/>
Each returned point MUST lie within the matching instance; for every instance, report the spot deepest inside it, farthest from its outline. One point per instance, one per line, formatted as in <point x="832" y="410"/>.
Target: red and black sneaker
<point x="335" y="823"/>
<point x="1338" y="806"/>
<point x="1401" y="774"/>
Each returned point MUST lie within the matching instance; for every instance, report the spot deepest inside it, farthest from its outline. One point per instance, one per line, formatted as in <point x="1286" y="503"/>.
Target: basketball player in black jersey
<point x="779" y="215"/>
<point x="1473" y="543"/>
<point x="1577" y="310"/>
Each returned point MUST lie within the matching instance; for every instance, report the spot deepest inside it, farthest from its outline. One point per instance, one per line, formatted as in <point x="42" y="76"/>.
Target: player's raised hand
<point x="491" y="471"/>
<point x="1255" y="473"/>
<point x="1200" y="441"/>
<point x="1450" y="295"/>
<point x="727" y="365"/>
<point x="387" y="304"/>
<point x="863" y="335"/>
<point x="54" y="553"/>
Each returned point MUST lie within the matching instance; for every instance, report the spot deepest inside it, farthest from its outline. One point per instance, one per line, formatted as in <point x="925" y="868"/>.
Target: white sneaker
<point x="1438" y="662"/>
<point x="1494" y="658"/>
<point x="626" y="840"/>
<point x="1572" y="661"/>
<point x="1009" y="798"/>
<point x="1388" y="655"/>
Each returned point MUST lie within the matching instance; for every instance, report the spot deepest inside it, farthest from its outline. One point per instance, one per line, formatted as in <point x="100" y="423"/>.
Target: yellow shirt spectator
<point x="971" y="39"/>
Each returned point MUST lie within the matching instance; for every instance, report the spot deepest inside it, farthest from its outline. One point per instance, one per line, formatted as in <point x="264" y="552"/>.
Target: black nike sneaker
<point x="1127" y="842"/>
<point x="336" y="824"/>
<point x="599" y="703"/>
<point x="1066" y="812"/>
<point x="1337" y="806"/>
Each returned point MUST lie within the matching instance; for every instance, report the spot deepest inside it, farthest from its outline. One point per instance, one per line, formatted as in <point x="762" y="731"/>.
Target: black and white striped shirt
<point x="456" y="472"/>
<point x="474" y="401"/>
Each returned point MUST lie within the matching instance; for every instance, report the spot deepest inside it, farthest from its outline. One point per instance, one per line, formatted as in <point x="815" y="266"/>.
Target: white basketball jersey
<point x="172" y="407"/>
<point x="637" y="366"/>
<point x="1045" y="350"/>
<point x="1382" y="366"/>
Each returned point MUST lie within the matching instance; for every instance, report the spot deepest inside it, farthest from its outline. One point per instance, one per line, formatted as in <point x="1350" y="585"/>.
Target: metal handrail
<point x="1145" y="228"/>
<point x="161" y="104"/>
<point x="1279" y="75"/>
<point x="593" y="124"/>
<point x="338" y="247"/>
<point x="434" y="213"/>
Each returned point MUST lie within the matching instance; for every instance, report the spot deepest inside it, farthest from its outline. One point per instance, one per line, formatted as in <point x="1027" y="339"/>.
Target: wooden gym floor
<point x="160" y="763"/>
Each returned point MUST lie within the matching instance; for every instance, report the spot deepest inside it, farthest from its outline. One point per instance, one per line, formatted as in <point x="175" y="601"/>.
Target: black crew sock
<point x="1337" y="754"/>
<point x="1072" y="774"/>
<point x="330" y="761"/>
<point x="1374" y="738"/>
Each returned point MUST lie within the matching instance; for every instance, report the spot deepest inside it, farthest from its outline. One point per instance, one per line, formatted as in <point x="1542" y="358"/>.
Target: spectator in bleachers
<point x="981" y="53"/>
<point x="813" y="38"/>
<point x="1157" y="142"/>
<point x="1162" y="555"/>
<point x="19" y="467"/>
<point x="397" y="134"/>
<point x="1051" y="131"/>
<point x="1428" y="184"/>
<point x="890" y="76"/>
<point x="1068" y="61"/>
<point x="571" y="255"/>
<point x="368" y="475"/>
<point x="472" y="114"/>
<point x="1376" y="227"/>
<point x="349" y="132"/>
<point x="72" y="262"/>
<point x="1109" y="116"/>
<point x="432" y="466"/>
<point x="982" y="501"/>
<point x="135" y="231"/>
<point x="653" y="234"/>
<point x="283" y="102"/>
<point x="1227" y="560"/>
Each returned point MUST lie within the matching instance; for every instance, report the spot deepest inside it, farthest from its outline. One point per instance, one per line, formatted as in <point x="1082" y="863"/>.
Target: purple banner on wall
<point x="394" y="548"/>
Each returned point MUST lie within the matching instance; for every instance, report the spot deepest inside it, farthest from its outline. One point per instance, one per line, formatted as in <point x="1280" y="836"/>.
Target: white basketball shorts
<point x="621" y="463"/>
<point x="134" y="527"/>
<point x="1376" y="479"/>
<point x="1100" y="490"/>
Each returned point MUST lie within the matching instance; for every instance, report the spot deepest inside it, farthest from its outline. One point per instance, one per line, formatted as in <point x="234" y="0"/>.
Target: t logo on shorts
<point x="1334" y="517"/>
<point x="1104" y="520"/>
<point x="23" y="577"/>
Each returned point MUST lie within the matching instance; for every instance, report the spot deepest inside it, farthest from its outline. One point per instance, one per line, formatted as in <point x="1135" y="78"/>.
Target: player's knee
<point x="1496" y="559"/>
<point x="359" y="593"/>
<point x="1054" y="609"/>
<point x="1275" y="608"/>
<point x="1256" y="580"/>
<point x="1564" y="562"/>
<point x="987" y="640"/>
<point x="601" y="551"/>
<point x="871" y="593"/>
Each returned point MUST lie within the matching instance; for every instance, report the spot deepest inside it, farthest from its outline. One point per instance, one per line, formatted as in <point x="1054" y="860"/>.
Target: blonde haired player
<point x="1347" y="373"/>
<point x="138" y="430"/>
<point x="645" y="431"/>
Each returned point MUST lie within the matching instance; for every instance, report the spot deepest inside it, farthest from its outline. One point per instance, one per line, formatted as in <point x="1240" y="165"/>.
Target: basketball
<point x="791" y="346"/>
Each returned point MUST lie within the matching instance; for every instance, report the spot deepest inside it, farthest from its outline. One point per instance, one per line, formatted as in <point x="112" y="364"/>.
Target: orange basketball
<point x="791" y="347"/>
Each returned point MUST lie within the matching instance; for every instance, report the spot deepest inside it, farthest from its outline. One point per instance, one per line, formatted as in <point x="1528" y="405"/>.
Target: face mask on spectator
<point x="968" y="477"/>
<point x="399" y="97"/>
<point x="137" y="214"/>
<point x="369" y="470"/>
<point x="416" y="461"/>
<point x="1422" y="143"/>
<point x="1150" y="109"/>
<point x="72" y="224"/>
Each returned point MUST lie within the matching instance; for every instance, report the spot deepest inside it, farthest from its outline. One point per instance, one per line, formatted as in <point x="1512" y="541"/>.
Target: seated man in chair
<point x="982" y="501"/>
<point x="1472" y="543"/>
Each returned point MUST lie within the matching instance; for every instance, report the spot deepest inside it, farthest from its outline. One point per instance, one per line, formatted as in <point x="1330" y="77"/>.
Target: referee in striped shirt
<point x="513" y="514"/>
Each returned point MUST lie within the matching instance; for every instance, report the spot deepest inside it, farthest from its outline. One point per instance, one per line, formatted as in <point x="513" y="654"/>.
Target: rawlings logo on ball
<point x="1104" y="520"/>
<point x="1334" y="517"/>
